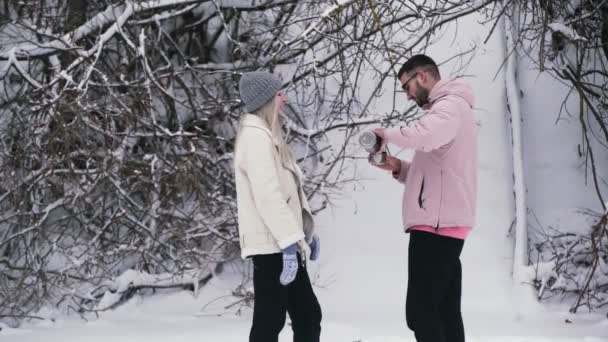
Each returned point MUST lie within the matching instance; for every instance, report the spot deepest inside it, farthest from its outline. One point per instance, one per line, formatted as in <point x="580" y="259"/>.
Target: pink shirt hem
<point x="453" y="232"/>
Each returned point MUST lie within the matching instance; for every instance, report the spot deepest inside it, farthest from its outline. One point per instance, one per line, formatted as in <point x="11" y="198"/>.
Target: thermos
<point x="372" y="144"/>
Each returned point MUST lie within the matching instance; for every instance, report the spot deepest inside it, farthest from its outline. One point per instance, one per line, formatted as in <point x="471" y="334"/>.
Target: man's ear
<point x="424" y="77"/>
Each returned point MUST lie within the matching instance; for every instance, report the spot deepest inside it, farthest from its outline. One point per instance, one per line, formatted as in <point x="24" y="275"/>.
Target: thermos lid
<point x="368" y="139"/>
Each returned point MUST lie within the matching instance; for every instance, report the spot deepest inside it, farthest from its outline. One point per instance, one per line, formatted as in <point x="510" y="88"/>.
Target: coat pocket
<point x="257" y="240"/>
<point x="421" y="195"/>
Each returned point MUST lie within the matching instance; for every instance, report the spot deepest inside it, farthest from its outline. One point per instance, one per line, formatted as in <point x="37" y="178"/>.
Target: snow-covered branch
<point x="113" y="14"/>
<point x="119" y="289"/>
<point x="566" y="31"/>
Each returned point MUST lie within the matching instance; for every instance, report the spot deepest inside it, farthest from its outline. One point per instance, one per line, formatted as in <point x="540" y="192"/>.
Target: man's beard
<point x="422" y="97"/>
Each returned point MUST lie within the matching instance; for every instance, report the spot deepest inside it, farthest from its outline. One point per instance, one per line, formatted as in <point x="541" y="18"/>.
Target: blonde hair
<point x="271" y="116"/>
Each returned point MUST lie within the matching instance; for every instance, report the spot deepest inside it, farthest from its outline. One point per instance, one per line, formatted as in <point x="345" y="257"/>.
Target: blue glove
<point x="315" y="248"/>
<point x="290" y="264"/>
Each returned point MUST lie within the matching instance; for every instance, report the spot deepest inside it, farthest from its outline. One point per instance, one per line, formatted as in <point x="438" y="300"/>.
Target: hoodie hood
<point x="452" y="87"/>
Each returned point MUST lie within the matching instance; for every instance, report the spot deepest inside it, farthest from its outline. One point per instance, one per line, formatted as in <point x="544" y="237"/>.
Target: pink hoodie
<point x="441" y="181"/>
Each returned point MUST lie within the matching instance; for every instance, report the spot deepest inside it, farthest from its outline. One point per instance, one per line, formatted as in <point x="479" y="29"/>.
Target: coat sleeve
<point x="435" y="129"/>
<point x="260" y="168"/>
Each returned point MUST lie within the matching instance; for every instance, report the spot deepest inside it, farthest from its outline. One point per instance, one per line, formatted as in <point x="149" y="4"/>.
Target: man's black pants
<point x="434" y="288"/>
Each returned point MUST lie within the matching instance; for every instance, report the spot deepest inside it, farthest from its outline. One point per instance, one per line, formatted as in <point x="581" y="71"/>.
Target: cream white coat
<point x="273" y="211"/>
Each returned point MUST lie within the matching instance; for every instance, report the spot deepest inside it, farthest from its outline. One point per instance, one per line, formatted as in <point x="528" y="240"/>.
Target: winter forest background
<point x="118" y="119"/>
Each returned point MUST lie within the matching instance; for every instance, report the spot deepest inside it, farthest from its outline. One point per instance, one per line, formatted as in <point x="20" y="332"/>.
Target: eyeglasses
<point x="406" y="85"/>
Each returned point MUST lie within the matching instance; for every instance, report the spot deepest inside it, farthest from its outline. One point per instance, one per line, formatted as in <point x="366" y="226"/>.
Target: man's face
<point x="413" y="84"/>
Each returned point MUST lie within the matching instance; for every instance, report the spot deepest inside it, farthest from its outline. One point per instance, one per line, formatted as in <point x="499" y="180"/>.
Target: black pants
<point x="434" y="288"/>
<point x="273" y="300"/>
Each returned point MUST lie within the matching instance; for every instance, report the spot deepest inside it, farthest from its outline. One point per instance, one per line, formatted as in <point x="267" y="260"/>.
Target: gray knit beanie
<point x="257" y="88"/>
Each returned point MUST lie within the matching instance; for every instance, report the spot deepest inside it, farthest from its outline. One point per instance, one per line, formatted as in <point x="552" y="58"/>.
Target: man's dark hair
<point x="420" y="62"/>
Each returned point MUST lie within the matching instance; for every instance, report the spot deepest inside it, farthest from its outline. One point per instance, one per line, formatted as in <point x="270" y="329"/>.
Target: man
<point x="439" y="200"/>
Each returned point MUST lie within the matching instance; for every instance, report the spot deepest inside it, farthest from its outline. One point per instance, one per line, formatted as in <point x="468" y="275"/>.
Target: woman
<point x="274" y="218"/>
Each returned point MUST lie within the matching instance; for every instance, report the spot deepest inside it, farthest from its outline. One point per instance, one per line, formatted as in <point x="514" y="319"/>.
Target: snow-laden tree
<point x="117" y="123"/>
<point x="569" y="41"/>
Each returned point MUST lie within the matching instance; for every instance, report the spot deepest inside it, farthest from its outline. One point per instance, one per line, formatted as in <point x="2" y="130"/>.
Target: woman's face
<point x="280" y="101"/>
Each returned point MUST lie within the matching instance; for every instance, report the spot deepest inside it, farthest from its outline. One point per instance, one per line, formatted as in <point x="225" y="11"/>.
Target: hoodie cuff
<point x="290" y="240"/>
<point x="402" y="175"/>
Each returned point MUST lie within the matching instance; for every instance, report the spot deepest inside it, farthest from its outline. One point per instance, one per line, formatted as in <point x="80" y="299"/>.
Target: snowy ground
<point x="360" y="279"/>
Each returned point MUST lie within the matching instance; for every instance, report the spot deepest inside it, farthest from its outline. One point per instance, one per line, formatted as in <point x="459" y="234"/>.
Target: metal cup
<point x="378" y="158"/>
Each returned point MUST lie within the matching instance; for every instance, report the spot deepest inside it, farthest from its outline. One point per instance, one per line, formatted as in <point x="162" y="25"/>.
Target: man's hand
<point x="392" y="164"/>
<point x="380" y="132"/>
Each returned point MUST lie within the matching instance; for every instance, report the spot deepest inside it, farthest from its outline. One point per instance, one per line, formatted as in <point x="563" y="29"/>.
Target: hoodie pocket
<point x="420" y="197"/>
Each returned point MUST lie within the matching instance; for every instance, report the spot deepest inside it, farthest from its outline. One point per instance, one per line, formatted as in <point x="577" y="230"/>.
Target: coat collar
<point x="253" y="120"/>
